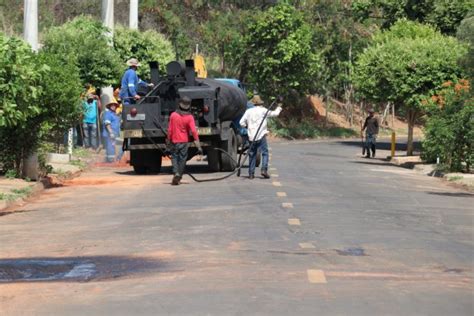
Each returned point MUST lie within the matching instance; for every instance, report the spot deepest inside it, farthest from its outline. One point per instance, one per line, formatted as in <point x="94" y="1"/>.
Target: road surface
<point x="330" y="234"/>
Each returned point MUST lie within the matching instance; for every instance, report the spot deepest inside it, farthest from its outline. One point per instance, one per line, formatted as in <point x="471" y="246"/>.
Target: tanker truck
<point x="215" y="105"/>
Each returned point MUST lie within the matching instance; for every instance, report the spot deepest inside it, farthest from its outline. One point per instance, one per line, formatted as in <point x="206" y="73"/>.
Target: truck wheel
<point x="229" y="162"/>
<point x="139" y="169"/>
<point x="213" y="160"/>
<point x="155" y="167"/>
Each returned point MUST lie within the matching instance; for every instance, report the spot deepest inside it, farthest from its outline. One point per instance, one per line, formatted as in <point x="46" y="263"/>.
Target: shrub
<point x="84" y="42"/>
<point x="145" y="46"/>
<point x="21" y="113"/>
<point x="449" y="131"/>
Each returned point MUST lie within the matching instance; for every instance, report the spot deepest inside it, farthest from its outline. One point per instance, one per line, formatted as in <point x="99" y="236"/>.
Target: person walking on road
<point x="371" y="126"/>
<point x="180" y="126"/>
<point x="89" y="121"/>
<point x="111" y="129"/>
<point x="130" y="83"/>
<point x="252" y="119"/>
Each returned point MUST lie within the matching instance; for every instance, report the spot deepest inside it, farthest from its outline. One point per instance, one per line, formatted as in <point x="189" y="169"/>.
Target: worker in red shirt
<point x="181" y="125"/>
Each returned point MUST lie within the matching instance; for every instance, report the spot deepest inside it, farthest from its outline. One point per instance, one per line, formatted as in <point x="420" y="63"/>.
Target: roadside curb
<point x="50" y="181"/>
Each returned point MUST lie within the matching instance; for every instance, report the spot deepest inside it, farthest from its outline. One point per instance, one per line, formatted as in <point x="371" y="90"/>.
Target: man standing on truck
<point x="130" y="83"/>
<point x="180" y="126"/>
<point x="252" y="119"/>
<point x="372" y="126"/>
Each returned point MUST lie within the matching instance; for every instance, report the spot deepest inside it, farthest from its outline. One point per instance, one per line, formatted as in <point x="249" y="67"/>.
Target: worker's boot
<point x="176" y="179"/>
<point x="251" y="176"/>
<point x="265" y="174"/>
<point x="367" y="152"/>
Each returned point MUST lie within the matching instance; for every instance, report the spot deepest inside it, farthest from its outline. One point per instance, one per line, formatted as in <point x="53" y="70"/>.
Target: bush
<point x="145" y="46"/>
<point x="449" y="131"/>
<point x="21" y="113"/>
<point x="301" y="129"/>
<point x="61" y="97"/>
<point x="84" y="42"/>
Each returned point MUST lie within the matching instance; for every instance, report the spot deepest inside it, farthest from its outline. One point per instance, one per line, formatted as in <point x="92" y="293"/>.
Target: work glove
<point x="112" y="136"/>
<point x="200" y="152"/>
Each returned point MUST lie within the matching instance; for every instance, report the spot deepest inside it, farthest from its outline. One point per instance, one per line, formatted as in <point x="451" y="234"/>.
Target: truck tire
<point x="155" y="167"/>
<point x="139" y="169"/>
<point x="213" y="160"/>
<point x="229" y="162"/>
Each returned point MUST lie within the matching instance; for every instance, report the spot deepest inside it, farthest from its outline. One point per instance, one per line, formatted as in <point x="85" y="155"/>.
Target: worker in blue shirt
<point x="111" y="129"/>
<point x="130" y="83"/>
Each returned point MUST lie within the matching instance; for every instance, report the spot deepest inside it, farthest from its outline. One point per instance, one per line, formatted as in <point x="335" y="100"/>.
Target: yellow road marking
<point x="307" y="245"/>
<point x="294" y="222"/>
<point x="287" y="205"/>
<point x="273" y="169"/>
<point x="276" y="184"/>
<point x="281" y="194"/>
<point x="316" y="276"/>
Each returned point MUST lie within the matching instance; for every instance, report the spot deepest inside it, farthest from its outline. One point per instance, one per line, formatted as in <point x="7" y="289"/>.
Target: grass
<point x="78" y="163"/>
<point x="16" y="194"/>
<point x="455" y="178"/>
<point x="80" y="152"/>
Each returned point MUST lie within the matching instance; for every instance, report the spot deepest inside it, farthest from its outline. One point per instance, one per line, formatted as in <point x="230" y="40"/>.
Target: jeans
<point x="90" y="135"/>
<point x="179" y="155"/>
<point x="255" y="147"/>
<point x="109" y="149"/>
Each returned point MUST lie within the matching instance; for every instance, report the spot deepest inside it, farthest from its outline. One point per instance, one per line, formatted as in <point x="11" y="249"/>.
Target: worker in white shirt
<point x="251" y="120"/>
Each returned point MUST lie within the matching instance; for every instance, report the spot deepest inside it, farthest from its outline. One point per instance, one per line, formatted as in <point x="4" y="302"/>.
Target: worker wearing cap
<point x="130" y="82"/>
<point x="111" y="128"/>
<point x="180" y="126"/>
<point x="89" y="120"/>
<point x="372" y="129"/>
<point x="252" y="119"/>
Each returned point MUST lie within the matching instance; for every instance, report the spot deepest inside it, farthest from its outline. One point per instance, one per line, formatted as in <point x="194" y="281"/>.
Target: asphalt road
<point x="329" y="234"/>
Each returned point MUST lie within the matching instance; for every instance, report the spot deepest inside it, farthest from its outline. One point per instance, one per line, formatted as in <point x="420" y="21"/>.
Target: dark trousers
<point x="255" y="147"/>
<point x="179" y="155"/>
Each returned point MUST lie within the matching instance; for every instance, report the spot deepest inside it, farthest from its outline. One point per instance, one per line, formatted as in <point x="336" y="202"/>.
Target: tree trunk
<point x="411" y="119"/>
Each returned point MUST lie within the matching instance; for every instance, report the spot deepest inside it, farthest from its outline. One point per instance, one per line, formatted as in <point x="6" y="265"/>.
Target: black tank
<point x="232" y="101"/>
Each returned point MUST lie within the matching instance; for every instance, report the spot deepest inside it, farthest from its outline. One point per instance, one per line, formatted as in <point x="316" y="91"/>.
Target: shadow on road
<point x="453" y="194"/>
<point x="375" y="162"/>
<point x="79" y="269"/>
<point x="382" y="145"/>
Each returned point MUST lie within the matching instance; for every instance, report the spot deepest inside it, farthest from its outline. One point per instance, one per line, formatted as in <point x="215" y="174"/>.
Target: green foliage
<point x="466" y="33"/>
<point x="83" y="41"/>
<point x="19" y="81"/>
<point x="61" y="97"/>
<point x="145" y="46"/>
<point x="444" y="15"/>
<point x="21" y="112"/>
<point x="280" y="55"/>
<point x="406" y="63"/>
<point x="449" y="131"/>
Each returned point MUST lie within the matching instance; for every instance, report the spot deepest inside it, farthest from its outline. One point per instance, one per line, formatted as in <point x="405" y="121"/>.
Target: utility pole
<point x="133" y="20"/>
<point x="108" y="16"/>
<point x="30" y="23"/>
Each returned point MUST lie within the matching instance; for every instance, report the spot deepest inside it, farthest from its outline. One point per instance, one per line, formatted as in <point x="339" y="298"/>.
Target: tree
<point x="145" y="46"/>
<point x="444" y="15"/>
<point x="404" y="65"/>
<point x="281" y="58"/>
<point x="84" y="41"/>
<point x="466" y="34"/>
